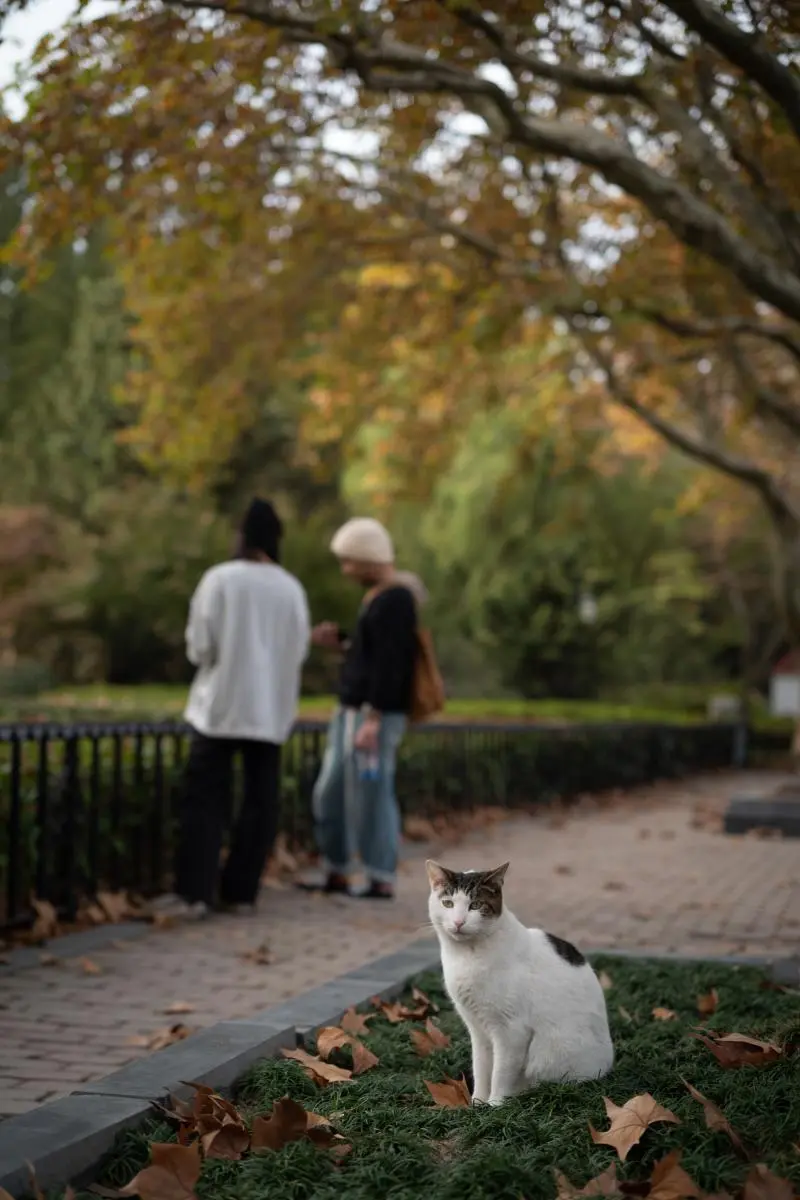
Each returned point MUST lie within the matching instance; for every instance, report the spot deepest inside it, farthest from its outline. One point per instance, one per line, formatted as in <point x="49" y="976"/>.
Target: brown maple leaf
<point x="46" y="923"/>
<point x="162" y="1037"/>
<point x="115" y="906"/>
<point x="715" y="1117"/>
<point x="172" y="1174"/>
<point x="429" y="1039"/>
<point x="734" y="1050"/>
<point x="261" y="955"/>
<point x="89" y="967"/>
<point x="288" y="1122"/>
<point x="321" y="1072"/>
<point x="761" y="1184"/>
<point x="229" y="1140"/>
<point x="707" y="1003"/>
<point x="669" y="1181"/>
<point x="355" y="1022"/>
<point x="630" y="1122"/>
<point x="664" y="1014"/>
<point x="363" y="1057"/>
<point x="451" y="1093"/>
<point x="604" y="1184"/>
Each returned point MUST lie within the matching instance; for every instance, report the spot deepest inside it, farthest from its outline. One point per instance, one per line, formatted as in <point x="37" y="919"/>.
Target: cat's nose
<point x="459" y="923"/>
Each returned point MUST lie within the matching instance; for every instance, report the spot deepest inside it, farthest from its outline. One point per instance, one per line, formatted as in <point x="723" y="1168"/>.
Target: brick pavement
<point x="636" y="871"/>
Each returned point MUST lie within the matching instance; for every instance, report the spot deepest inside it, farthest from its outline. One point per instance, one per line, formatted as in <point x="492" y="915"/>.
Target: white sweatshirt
<point x="248" y="633"/>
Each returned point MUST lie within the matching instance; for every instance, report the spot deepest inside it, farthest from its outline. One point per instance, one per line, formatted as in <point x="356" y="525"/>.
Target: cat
<point x="534" y="1008"/>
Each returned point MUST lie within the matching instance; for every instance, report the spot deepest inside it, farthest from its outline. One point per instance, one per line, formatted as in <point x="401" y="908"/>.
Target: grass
<point x="404" y="1148"/>
<point x="165" y="701"/>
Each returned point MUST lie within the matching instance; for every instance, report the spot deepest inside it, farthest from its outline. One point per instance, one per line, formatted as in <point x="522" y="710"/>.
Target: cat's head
<point x="465" y="905"/>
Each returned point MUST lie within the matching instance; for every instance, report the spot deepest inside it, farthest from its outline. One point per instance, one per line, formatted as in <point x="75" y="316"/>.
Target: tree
<point x="554" y="147"/>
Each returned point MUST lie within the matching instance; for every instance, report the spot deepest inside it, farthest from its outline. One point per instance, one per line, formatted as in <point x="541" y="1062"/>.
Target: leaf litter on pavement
<point x="665" y="1141"/>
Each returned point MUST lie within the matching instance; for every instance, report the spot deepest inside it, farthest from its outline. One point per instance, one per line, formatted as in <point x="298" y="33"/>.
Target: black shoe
<point x="375" y="891"/>
<point x="332" y="885"/>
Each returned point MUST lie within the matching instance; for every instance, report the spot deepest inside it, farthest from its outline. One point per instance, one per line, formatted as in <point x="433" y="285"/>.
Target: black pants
<point x="206" y="810"/>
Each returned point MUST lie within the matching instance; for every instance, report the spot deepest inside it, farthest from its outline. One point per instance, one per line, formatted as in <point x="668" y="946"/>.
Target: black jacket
<point x="378" y="667"/>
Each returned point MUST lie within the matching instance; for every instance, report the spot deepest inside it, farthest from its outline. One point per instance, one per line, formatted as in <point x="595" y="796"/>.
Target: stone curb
<point x="64" y="1140"/>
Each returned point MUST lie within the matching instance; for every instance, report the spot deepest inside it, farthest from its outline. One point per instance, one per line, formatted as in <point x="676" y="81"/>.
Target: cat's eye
<point x="447" y="903"/>
<point x="475" y="904"/>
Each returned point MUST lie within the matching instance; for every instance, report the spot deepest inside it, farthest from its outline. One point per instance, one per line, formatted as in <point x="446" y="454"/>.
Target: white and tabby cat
<point x="533" y="1006"/>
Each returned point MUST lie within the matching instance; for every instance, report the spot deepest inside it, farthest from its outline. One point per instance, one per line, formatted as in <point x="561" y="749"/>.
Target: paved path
<point x="649" y="869"/>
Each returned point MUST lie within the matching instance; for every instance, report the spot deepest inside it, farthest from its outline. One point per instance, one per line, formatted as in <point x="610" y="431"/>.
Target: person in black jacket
<point x="354" y="804"/>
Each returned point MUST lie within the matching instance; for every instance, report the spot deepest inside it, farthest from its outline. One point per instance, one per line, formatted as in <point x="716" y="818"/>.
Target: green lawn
<point x="157" y="701"/>
<point x="404" y="1148"/>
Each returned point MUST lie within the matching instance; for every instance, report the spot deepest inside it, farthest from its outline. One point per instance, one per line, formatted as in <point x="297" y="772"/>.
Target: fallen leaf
<point x="162" y="1037"/>
<point x="423" y="1000"/>
<point x="321" y="1072"/>
<point x="429" y="1039"/>
<point x="761" y="1184"/>
<point x="289" y="1122"/>
<point x="97" y="1189"/>
<point x="172" y="1174"/>
<point x="769" y="985"/>
<point x="260" y="955"/>
<point x="630" y="1122"/>
<point x="707" y="1003"/>
<point x="605" y="1184"/>
<point x="330" y="1038"/>
<point x="229" y="1141"/>
<point x="355" y="1022"/>
<point x="33" y="1184"/>
<point x="606" y="983"/>
<point x="315" y="1120"/>
<point x="179" y="1007"/>
<point x="715" y="1117"/>
<point x="451" y="1093"/>
<point x="664" y="1014"/>
<point x="89" y="967"/>
<point x="46" y="923"/>
<point x="739" y="1050"/>
<point x="94" y="913"/>
<point x="115" y="906"/>
<point x="363" y="1058"/>
<point x="669" y="1181"/>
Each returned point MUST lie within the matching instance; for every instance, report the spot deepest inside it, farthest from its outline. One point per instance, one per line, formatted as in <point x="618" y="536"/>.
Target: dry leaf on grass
<point x="89" y="967"/>
<point x="715" y="1117"/>
<point x="669" y="1181"/>
<point x="179" y="1007"/>
<point x="330" y="1038"/>
<point x="664" y="1014"/>
<point x="260" y="955"/>
<point x="630" y="1122"/>
<point x="605" y="1184"/>
<point x="707" y="1003"/>
<point x="333" y="1037"/>
<point x="46" y="923"/>
<point x="289" y="1122"/>
<point x="429" y="1039"/>
<point x="321" y="1072"/>
<point x="451" y="1093"/>
<point x="162" y="1037"/>
<point x="172" y="1174"/>
<point x="761" y="1184"/>
<point x="395" y="1011"/>
<point x="740" y="1050"/>
<point x="355" y="1022"/>
<point x="606" y="982"/>
<point x="230" y="1140"/>
<point x="424" y="1001"/>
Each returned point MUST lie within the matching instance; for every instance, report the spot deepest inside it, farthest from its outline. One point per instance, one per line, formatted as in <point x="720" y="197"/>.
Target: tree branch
<point x="745" y="50"/>
<point x="778" y="504"/>
<point x="731" y="326"/>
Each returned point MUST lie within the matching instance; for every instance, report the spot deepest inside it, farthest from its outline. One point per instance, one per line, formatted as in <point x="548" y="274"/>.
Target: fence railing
<point x="90" y="807"/>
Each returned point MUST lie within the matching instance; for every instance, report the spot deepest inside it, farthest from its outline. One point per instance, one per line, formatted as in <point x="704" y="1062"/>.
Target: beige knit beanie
<point x="363" y="539"/>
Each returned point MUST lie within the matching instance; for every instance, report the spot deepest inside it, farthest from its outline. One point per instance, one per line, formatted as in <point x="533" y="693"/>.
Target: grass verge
<point x="403" y="1147"/>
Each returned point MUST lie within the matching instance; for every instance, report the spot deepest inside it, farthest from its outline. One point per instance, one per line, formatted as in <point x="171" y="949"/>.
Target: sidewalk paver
<point x="646" y="870"/>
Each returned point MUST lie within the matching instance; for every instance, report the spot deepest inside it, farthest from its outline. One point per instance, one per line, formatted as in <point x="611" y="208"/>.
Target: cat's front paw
<point x="496" y="1101"/>
<point x="477" y="1100"/>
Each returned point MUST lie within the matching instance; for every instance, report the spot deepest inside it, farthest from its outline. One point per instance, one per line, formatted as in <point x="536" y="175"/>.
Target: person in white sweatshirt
<point x="248" y="635"/>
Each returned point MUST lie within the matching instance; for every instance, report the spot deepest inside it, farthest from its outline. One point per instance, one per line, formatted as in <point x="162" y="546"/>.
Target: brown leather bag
<point x="427" y="689"/>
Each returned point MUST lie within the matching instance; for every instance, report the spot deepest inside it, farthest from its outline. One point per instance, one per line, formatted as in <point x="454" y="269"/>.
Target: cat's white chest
<point x="469" y="983"/>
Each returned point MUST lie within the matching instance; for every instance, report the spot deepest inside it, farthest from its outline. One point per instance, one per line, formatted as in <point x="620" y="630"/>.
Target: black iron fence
<point x="85" y="807"/>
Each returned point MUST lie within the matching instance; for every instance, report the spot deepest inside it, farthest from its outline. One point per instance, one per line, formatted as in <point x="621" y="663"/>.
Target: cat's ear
<point x="496" y="876"/>
<point x="438" y="875"/>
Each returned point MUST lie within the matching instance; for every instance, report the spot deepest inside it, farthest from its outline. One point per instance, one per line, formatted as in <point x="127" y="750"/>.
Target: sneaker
<point x="172" y="905"/>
